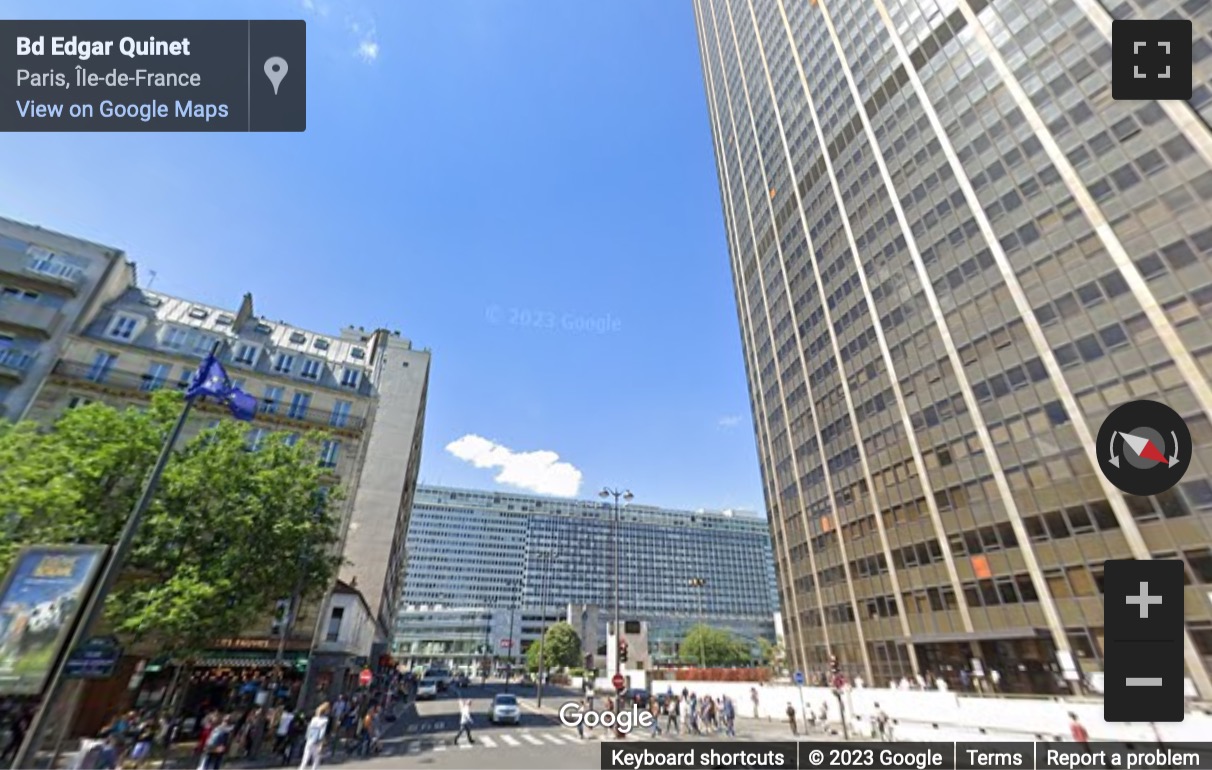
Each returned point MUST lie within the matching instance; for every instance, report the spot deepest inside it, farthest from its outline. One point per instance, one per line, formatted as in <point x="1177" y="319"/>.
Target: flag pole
<point x="117" y="556"/>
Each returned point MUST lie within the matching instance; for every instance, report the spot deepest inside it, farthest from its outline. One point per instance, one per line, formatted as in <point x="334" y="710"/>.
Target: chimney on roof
<point x="244" y="313"/>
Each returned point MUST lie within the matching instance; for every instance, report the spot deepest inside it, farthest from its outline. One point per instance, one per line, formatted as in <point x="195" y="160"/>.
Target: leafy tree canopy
<point x="226" y="536"/>
<point x="704" y="645"/>
<point x="561" y="648"/>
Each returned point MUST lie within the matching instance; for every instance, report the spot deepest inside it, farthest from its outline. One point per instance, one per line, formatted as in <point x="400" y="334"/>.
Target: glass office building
<point x="953" y="254"/>
<point x="484" y="567"/>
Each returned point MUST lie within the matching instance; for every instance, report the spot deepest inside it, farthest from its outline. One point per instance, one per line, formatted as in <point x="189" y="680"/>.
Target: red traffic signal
<point x="618" y="681"/>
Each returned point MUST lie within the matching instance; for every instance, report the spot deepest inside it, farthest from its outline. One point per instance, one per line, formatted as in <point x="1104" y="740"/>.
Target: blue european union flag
<point x="212" y="380"/>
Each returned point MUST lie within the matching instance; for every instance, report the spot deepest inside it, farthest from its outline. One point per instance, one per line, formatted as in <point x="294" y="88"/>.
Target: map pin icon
<point x="275" y="70"/>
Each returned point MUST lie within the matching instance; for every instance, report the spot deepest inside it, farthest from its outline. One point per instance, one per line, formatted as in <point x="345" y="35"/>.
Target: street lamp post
<point x="701" y="585"/>
<point x="547" y="557"/>
<point x="625" y="494"/>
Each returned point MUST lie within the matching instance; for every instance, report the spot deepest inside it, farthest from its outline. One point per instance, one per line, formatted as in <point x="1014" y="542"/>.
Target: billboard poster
<point x="39" y="604"/>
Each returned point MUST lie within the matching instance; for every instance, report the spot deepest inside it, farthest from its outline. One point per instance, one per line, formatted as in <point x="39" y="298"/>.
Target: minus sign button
<point x="1143" y="681"/>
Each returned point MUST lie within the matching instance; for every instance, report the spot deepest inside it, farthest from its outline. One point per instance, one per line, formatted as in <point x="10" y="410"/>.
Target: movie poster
<point x="42" y="597"/>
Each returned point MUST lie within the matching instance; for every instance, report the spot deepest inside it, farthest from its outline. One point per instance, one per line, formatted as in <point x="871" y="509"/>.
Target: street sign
<point x="361" y="662"/>
<point x="95" y="659"/>
<point x="365" y="677"/>
<point x="618" y="681"/>
<point x="799" y="678"/>
<point x="507" y="643"/>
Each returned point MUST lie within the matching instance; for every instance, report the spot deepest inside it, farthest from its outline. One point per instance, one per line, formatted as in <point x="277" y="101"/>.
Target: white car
<point x="427" y="689"/>
<point x="505" y="710"/>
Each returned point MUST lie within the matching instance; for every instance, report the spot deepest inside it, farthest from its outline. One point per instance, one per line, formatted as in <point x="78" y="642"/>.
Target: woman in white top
<point x="317" y="729"/>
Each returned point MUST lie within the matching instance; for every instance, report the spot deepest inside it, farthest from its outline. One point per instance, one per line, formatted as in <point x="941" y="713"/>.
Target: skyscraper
<point x="953" y="255"/>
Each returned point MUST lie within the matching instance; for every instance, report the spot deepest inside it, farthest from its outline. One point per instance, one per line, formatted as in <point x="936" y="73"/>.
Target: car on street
<point x="427" y="688"/>
<point x="505" y="710"/>
<point x="440" y="675"/>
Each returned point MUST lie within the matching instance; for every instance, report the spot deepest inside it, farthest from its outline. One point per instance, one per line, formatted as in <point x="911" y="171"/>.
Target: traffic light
<point x="623" y="651"/>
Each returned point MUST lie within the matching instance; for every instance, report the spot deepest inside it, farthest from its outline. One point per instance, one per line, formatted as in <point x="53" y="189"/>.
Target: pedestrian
<point x="881" y="723"/>
<point x="753" y="697"/>
<point x="464" y="721"/>
<point x="317" y="730"/>
<point x="282" y="733"/>
<point x="795" y="730"/>
<point x="684" y="715"/>
<point x="1079" y="732"/>
<point x="654" y="708"/>
<point x="729" y="717"/>
<point x="217" y="744"/>
<point x="671" y="715"/>
<point x="108" y="760"/>
<point x="965" y="680"/>
<point x="581" y="722"/>
<point x="144" y="736"/>
<point x="995" y="677"/>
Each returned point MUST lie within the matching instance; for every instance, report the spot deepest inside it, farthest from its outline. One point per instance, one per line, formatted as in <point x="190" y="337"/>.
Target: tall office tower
<point x="954" y="254"/>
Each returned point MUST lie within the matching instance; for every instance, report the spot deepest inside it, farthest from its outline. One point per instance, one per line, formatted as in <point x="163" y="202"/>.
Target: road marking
<point x="532" y="740"/>
<point x="489" y="742"/>
<point x="412" y="747"/>
<point x="512" y="741"/>
<point x="554" y="739"/>
<point x="439" y="747"/>
<point x="464" y="745"/>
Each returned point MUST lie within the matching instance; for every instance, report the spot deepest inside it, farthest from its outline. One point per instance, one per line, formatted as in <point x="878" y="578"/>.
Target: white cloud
<point x="359" y="26"/>
<point x="729" y="421"/>
<point x="368" y="50"/>
<point x="539" y="471"/>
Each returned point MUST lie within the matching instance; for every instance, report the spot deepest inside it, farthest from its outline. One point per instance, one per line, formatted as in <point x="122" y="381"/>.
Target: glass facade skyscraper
<point x="477" y="557"/>
<point x="954" y="254"/>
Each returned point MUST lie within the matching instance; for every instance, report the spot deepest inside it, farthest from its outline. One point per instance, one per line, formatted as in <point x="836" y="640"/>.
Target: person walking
<point x="729" y="717"/>
<point x="464" y="722"/>
<point x="671" y="715"/>
<point x="881" y="723"/>
<point x="995" y="677"/>
<point x="753" y="698"/>
<point x="685" y="713"/>
<point x="282" y="734"/>
<point x="217" y="744"/>
<point x="795" y="730"/>
<point x="317" y="729"/>
<point x="1079" y="732"/>
<point x="654" y="709"/>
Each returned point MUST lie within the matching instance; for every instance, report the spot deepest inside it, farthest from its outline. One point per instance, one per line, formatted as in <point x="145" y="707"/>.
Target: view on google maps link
<point x="542" y="384"/>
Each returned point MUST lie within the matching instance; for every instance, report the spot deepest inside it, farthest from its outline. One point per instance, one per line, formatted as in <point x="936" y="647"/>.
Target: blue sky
<point x="472" y="171"/>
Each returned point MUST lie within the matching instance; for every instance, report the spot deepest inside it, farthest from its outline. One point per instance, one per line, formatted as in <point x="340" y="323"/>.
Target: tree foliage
<point x="561" y="648"/>
<point x="773" y="655"/>
<point x="704" y="645"/>
<point x="229" y="532"/>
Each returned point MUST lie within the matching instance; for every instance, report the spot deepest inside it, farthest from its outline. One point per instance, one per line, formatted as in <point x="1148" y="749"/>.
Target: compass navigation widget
<point x="1144" y="447"/>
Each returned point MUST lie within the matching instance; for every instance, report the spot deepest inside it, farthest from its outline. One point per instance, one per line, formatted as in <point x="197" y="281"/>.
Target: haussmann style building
<point x="954" y="254"/>
<point x="365" y="391"/>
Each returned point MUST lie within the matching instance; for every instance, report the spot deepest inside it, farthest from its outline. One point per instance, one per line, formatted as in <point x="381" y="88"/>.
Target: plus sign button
<point x="1151" y="59"/>
<point x="1143" y="676"/>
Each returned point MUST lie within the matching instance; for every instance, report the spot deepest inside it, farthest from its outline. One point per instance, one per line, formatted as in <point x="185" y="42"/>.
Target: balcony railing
<point x="28" y="315"/>
<point x="124" y="379"/>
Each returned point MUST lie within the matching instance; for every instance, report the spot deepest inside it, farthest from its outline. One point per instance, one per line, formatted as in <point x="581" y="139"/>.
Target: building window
<point x="19" y="295"/>
<point x="256" y="437"/>
<point x="157" y="375"/>
<point x="311" y="369"/>
<point x="102" y="365"/>
<point x="340" y="414"/>
<point x="350" y="378"/>
<point x="334" y="624"/>
<point x="76" y="401"/>
<point x="48" y="263"/>
<point x="284" y="363"/>
<point x="299" y="405"/>
<point x="273" y="397"/>
<point x="123" y="328"/>
<point x="204" y="344"/>
<point x="246" y="354"/>
<point x="358" y="353"/>
<point x="174" y="338"/>
<point x="292" y="439"/>
<point x="328" y="453"/>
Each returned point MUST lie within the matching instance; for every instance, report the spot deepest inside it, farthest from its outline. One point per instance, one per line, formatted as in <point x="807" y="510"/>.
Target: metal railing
<point x="124" y="379"/>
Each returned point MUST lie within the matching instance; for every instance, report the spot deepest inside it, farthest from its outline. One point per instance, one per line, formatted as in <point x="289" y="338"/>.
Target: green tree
<point x="773" y="655"/>
<point x="561" y="648"/>
<point x="713" y="647"/>
<point x="229" y="532"/>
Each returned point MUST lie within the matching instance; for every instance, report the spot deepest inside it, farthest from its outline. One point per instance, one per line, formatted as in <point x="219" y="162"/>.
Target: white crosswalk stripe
<point x="464" y="745"/>
<point x="532" y="740"/>
<point x="439" y="747"/>
<point x="554" y="739"/>
<point x="489" y="742"/>
<point x="512" y="741"/>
